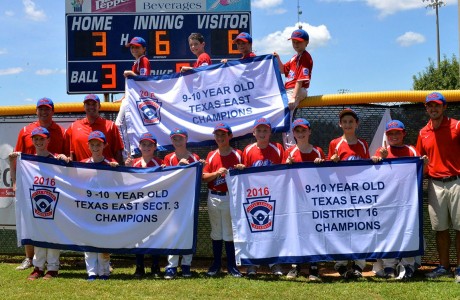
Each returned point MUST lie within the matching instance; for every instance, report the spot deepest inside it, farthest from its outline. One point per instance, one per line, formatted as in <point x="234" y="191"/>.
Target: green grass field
<point x="72" y="284"/>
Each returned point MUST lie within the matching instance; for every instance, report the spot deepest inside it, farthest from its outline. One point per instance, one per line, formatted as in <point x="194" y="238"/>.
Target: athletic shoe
<point x="140" y="272"/>
<point x="234" y="272"/>
<point x="91" y="278"/>
<point x="277" y="270"/>
<point x="171" y="273"/>
<point x="104" y="277"/>
<point x="155" y="271"/>
<point x="36" y="273"/>
<point x="354" y="273"/>
<point x="50" y="275"/>
<point x="313" y="273"/>
<point x="252" y="271"/>
<point x="342" y="270"/>
<point x="293" y="273"/>
<point x="389" y="272"/>
<point x="409" y="272"/>
<point x="457" y="275"/>
<point x="186" y="271"/>
<point x="439" y="271"/>
<point x="213" y="270"/>
<point x="26" y="263"/>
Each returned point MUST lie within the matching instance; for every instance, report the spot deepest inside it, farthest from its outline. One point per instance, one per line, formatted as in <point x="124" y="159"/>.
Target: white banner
<point x="308" y="212"/>
<point x="237" y="93"/>
<point x="84" y="207"/>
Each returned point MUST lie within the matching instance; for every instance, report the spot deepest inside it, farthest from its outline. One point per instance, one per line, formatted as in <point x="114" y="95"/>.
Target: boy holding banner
<point x="147" y="146"/>
<point x="395" y="132"/>
<point x="349" y="147"/>
<point x="98" y="264"/>
<point x="180" y="156"/>
<point x="40" y="137"/>
<point x="262" y="153"/>
<point x="218" y="162"/>
<point x="196" y="44"/>
<point x="298" y="75"/>
<point x="303" y="151"/>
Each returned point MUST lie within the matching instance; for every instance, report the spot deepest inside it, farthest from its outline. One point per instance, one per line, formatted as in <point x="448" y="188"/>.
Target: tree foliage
<point x="446" y="77"/>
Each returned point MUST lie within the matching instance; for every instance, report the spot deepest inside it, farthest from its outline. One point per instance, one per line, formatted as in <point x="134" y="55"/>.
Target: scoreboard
<point x="97" y="56"/>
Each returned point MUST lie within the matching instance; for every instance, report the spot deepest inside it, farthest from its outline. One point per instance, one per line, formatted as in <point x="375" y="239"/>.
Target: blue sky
<point x="357" y="45"/>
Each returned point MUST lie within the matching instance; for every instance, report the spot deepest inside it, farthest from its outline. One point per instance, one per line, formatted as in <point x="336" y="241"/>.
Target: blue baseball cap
<point x="223" y="127"/>
<point x="300" y="122"/>
<point x="97" y="135"/>
<point x="348" y="111"/>
<point x="299" y="35"/>
<point x="436" y="97"/>
<point x="41" y="131"/>
<point x="45" y="102"/>
<point x="395" y="125"/>
<point x="178" y="131"/>
<point x="92" y="97"/>
<point x="137" y="41"/>
<point x="243" y="36"/>
<point x="149" y="137"/>
<point x="262" y="121"/>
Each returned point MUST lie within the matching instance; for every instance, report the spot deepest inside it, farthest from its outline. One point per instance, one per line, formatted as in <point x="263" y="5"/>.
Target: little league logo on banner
<point x="260" y="212"/>
<point x="85" y="207"/>
<point x="44" y="200"/>
<point x="149" y="110"/>
<point x="350" y="210"/>
<point x="237" y="93"/>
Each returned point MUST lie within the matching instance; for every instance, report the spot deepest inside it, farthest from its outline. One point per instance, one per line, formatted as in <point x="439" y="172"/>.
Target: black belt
<point x="446" y="179"/>
<point x="218" y="193"/>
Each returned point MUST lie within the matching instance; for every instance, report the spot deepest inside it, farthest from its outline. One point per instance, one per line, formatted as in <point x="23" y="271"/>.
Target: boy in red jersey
<point x="262" y="153"/>
<point x="180" y="156"/>
<point x="98" y="264"/>
<point x="24" y="144"/>
<point x="197" y="44"/>
<point x="440" y="141"/>
<point x="395" y="132"/>
<point x="147" y="146"/>
<point x="218" y="162"/>
<point x="141" y="65"/>
<point x="40" y="137"/>
<point x="243" y="42"/>
<point x="349" y="147"/>
<point x="303" y="151"/>
<point x="298" y="75"/>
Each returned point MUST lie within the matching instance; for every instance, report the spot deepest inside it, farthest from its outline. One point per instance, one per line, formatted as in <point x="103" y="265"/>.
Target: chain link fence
<point x="324" y="123"/>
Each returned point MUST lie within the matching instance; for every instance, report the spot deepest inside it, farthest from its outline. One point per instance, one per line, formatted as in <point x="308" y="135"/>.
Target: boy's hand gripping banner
<point x="307" y="212"/>
<point x="86" y="207"/>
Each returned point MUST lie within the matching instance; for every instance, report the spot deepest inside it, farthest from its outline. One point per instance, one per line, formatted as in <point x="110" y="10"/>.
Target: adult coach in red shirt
<point x="45" y="112"/>
<point x="440" y="141"/>
<point x="76" y="136"/>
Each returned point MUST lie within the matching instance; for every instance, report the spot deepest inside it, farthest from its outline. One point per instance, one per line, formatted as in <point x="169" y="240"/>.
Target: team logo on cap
<point x="44" y="200"/>
<point x="149" y="110"/>
<point x="260" y="213"/>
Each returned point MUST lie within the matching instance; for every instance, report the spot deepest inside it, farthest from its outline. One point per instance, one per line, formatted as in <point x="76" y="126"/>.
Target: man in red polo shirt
<point x="440" y="141"/>
<point x="45" y="112"/>
<point x="76" y="136"/>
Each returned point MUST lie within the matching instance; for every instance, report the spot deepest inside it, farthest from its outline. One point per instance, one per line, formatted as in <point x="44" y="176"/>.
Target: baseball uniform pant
<point x="48" y="256"/>
<point x="219" y="217"/>
<point x="288" y="137"/>
<point x="97" y="263"/>
<point x="173" y="260"/>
